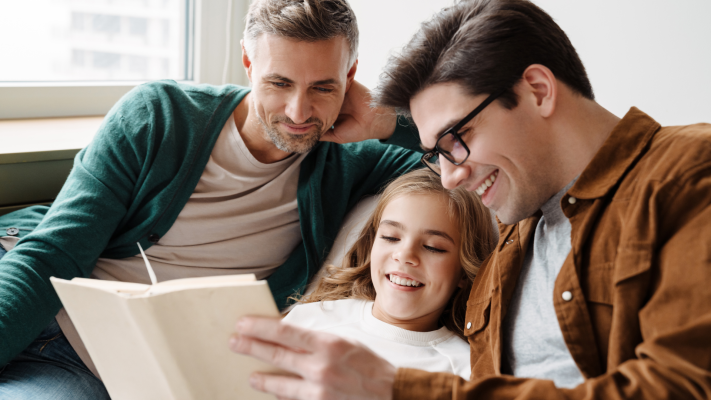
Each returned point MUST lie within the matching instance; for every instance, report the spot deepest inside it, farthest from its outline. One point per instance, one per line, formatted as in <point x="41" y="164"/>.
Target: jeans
<point x="49" y="369"/>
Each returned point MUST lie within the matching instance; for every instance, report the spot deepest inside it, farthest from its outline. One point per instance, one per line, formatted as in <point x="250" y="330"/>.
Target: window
<point x="78" y="57"/>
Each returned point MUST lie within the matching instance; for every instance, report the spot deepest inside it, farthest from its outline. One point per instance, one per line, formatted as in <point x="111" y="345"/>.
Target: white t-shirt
<point x="241" y="218"/>
<point x="436" y="351"/>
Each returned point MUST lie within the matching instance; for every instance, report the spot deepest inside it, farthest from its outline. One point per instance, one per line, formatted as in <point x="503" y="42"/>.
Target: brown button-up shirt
<point x="633" y="297"/>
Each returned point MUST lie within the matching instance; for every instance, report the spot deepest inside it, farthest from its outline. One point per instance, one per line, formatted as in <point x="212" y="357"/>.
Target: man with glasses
<point x="598" y="288"/>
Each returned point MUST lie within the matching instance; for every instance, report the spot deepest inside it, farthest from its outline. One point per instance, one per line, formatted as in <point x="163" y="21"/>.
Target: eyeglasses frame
<point x="454" y="131"/>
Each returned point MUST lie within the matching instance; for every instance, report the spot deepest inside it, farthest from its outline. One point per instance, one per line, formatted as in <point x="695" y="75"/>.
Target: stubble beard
<point x="292" y="143"/>
<point x="519" y="209"/>
<point x="523" y="202"/>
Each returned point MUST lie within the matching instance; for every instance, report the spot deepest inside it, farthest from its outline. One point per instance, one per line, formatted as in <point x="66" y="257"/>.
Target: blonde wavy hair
<point x="477" y="237"/>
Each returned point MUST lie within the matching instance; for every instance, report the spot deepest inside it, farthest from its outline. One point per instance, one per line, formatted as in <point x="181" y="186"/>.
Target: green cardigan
<point x="132" y="181"/>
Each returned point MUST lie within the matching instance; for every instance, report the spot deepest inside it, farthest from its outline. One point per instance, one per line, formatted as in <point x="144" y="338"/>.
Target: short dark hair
<point x="484" y="45"/>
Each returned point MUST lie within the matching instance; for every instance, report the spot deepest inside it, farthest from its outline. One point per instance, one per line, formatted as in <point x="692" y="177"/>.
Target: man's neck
<point x="253" y="134"/>
<point x="582" y="130"/>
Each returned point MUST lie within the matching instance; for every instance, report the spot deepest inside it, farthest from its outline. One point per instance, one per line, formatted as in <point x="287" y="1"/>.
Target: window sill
<point x="42" y="139"/>
<point x="36" y="156"/>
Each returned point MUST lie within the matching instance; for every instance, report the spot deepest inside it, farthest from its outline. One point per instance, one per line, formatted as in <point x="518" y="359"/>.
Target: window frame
<point x="207" y="49"/>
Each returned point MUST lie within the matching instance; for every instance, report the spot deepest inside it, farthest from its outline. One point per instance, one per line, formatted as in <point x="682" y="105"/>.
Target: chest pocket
<point x="478" y="316"/>
<point x="632" y="262"/>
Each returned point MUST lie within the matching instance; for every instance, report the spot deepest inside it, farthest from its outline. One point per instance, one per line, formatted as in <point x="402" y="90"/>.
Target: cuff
<point x="413" y="384"/>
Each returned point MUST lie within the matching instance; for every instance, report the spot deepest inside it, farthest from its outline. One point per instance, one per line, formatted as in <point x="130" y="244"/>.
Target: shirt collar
<point x="625" y="144"/>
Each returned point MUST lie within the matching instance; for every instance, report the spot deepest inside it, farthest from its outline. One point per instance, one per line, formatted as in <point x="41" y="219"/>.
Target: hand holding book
<point x="168" y="340"/>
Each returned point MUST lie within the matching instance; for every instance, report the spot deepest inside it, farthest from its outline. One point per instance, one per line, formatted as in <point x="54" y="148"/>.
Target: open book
<point x="168" y="340"/>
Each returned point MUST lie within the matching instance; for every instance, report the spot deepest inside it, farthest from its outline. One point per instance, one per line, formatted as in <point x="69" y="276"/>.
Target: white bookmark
<point x="148" y="266"/>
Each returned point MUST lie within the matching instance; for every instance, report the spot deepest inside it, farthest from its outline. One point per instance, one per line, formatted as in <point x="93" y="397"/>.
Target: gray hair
<point x="306" y="20"/>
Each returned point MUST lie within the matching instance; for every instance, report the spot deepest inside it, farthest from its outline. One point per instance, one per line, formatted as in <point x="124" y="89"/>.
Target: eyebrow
<point x="431" y="232"/>
<point x="287" y="80"/>
<point x="439" y="134"/>
<point x="434" y="232"/>
<point x="277" y="77"/>
<point x="325" y="82"/>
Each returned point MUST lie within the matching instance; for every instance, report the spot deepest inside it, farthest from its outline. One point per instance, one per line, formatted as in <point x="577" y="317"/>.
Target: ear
<point x="351" y="75"/>
<point x="246" y="62"/>
<point x="463" y="282"/>
<point x="540" y="84"/>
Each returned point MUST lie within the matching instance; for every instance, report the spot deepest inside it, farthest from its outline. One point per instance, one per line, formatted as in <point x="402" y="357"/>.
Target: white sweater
<point x="436" y="351"/>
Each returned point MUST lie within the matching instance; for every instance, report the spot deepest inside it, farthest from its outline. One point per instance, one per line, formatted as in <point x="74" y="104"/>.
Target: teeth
<point x="487" y="184"/>
<point x="403" y="281"/>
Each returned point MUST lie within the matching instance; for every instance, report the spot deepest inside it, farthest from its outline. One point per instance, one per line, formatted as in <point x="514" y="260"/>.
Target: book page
<point x="207" y="281"/>
<point x="110" y="286"/>
<point x="115" y="342"/>
<point x="171" y="344"/>
<point x="196" y="325"/>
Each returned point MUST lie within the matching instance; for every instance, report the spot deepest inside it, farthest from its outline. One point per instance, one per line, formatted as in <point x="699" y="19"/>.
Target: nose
<point x="406" y="254"/>
<point x="453" y="175"/>
<point x="298" y="108"/>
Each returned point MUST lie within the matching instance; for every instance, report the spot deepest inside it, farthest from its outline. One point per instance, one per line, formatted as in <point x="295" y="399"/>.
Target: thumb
<point x="330" y="136"/>
<point x="346" y="130"/>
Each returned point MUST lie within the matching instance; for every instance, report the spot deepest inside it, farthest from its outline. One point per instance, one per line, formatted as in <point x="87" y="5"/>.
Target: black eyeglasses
<point x="450" y="145"/>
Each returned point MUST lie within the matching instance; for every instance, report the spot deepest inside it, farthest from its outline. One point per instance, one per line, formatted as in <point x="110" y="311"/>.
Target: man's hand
<point x="327" y="367"/>
<point x="358" y="121"/>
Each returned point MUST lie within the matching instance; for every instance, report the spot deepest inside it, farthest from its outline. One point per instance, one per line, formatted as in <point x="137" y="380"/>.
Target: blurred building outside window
<point x="94" y="40"/>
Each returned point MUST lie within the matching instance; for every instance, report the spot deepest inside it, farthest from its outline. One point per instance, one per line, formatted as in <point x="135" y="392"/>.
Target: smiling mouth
<point x="298" y="128"/>
<point x="488" y="182"/>
<point x="404" y="282"/>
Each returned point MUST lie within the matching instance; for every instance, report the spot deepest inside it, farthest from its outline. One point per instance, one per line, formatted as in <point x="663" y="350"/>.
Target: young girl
<point x="404" y="284"/>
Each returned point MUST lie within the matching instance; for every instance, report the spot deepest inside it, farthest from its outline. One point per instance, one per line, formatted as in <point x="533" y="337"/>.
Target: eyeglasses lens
<point x="450" y="147"/>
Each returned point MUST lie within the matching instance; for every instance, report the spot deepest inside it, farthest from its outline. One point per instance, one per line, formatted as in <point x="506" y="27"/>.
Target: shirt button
<point x="567" y="296"/>
<point x="469" y="325"/>
<point x="12" y="231"/>
<point x="153" y="238"/>
<point x="572" y="200"/>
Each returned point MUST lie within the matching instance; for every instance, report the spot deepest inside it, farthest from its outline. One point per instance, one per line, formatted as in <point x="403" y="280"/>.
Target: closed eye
<point x="389" y="238"/>
<point x="435" y="250"/>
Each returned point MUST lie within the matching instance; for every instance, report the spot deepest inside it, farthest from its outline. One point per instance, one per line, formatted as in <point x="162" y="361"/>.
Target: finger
<point x="287" y="387"/>
<point x="347" y="129"/>
<point x="330" y="136"/>
<point x="272" y="330"/>
<point x="357" y="97"/>
<point x="279" y="356"/>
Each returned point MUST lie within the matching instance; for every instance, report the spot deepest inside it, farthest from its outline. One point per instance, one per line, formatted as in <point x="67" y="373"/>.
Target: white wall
<point x="387" y="25"/>
<point x="652" y="54"/>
